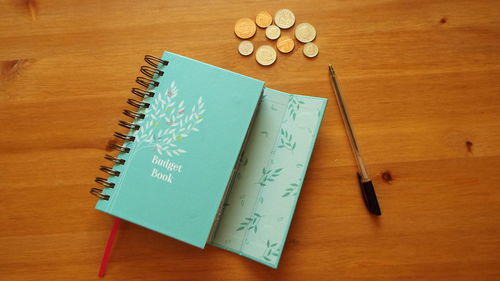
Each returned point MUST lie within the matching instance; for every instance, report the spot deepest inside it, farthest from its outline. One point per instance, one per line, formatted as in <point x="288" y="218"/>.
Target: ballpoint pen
<point x="365" y="182"/>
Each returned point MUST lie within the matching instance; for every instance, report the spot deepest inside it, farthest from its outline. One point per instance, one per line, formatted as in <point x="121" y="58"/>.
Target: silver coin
<point x="273" y="32"/>
<point x="284" y="18"/>
<point x="245" y="48"/>
<point x="305" y="32"/>
<point x="310" y="50"/>
<point x="265" y="55"/>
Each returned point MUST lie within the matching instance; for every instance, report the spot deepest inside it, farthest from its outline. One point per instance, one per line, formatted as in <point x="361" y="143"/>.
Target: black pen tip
<point x="369" y="196"/>
<point x="377" y="212"/>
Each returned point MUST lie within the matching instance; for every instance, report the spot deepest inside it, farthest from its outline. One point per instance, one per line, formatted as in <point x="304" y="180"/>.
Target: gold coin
<point x="305" y="32"/>
<point x="285" y="44"/>
<point x="245" y="28"/>
<point x="310" y="50"/>
<point x="284" y="18"/>
<point x="265" y="55"/>
<point x="263" y="19"/>
<point x="273" y="32"/>
<point x="245" y="48"/>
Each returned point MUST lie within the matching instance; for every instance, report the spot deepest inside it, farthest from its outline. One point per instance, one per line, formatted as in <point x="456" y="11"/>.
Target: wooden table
<point x="421" y="80"/>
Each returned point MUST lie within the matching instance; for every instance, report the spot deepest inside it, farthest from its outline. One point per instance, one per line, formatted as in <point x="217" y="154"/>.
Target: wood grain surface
<point x="421" y="80"/>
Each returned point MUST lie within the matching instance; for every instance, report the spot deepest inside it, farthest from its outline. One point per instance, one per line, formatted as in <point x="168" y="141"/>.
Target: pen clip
<point x="369" y="196"/>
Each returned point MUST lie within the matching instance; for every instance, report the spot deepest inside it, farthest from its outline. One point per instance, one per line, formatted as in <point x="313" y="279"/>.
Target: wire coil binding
<point x="152" y="72"/>
<point x="142" y="93"/>
<point x="123" y="137"/>
<point x="99" y="193"/>
<point x="138" y="104"/>
<point x="120" y="148"/>
<point x="129" y="125"/>
<point x="146" y="82"/>
<point x="133" y="114"/>
<point x="154" y="61"/>
<point x="114" y="159"/>
<point x="104" y="182"/>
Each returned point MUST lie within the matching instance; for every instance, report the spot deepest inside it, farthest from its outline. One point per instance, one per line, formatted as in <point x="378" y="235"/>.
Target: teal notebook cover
<point x="260" y="206"/>
<point x="179" y="166"/>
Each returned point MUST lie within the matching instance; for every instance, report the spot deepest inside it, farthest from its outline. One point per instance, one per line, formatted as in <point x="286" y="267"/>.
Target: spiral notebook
<point x="193" y="166"/>
<point x="179" y="156"/>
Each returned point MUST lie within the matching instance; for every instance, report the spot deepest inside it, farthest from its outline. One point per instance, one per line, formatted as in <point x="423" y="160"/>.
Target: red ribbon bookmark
<point x="109" y="244"/>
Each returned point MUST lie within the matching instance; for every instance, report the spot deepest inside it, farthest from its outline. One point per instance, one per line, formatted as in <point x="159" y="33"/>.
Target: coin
<point x="245" y="28"/>
<point x="245" y="48"/>
<point x="305" y="32"/>
<point x="284" y="18"/>
<point x="285" y="44"/>
<point x="273" y="32"/>
<point x="310" y="50"/>
<point x="265" y="55"/>
<point x="264" y="19"/>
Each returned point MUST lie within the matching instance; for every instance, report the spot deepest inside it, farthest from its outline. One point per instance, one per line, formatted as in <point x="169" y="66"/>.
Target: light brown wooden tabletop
<point x="421" y="80"/>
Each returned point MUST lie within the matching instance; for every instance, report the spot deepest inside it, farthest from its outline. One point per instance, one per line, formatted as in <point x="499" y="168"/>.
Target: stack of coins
<point x="284" y="19"/>
<point x="306" y="33"/>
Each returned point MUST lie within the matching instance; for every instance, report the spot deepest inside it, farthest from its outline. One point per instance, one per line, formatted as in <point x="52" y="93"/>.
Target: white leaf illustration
<point x="169" y="124"/>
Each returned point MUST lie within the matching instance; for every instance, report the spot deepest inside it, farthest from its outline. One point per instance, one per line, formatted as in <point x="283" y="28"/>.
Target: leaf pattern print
<point x="293" y="106"/>
<point x="269" y="176"/>
<point x="250" y="223"/>
<point x="293" y="190"/>
<point x="286" y="140"/>
<point x="175" y="121"/>
<point x="270" y="251"/>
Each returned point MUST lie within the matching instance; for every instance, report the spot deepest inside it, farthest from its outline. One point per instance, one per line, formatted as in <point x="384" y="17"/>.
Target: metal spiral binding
<point x="150" y="71"/>
<point x="98" y="192"/>
<point x="138" y="104"/>
<point x="148" y="83"/>
<point x="123" y="137"/>
<point x="104" y="182"/>
<point x="142" y="93"/>
<point x="120" y="148"/>
<point x="114" y="159"/>
<point x="154" y="61"/>
<point x="109" y="171"/>
<point x="133" y="114"/>
<point x="129" y="125"/>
